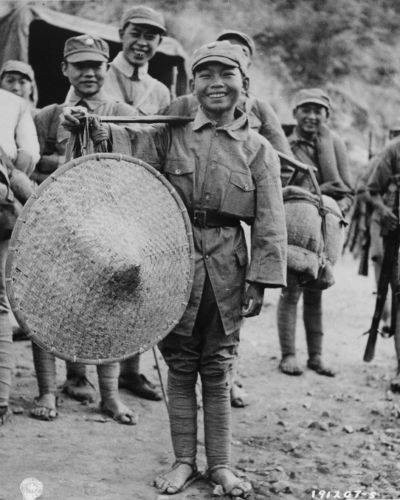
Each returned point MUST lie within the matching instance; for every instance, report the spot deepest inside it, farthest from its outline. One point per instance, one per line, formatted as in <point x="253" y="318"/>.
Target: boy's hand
<point x="71" y="117"/>
<point x="253" y="300"/>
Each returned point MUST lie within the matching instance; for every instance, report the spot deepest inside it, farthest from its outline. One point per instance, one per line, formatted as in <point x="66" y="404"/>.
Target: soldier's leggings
<point x="210" y="353"/>
<point x="6" y="353"/>
<point x="312" y="316"/>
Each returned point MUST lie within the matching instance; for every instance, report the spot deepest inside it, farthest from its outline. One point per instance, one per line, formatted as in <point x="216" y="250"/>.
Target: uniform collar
<point x="92" y="101"/>
<point x="127" y="69"/>
<point x="238" y="129"/>
<point x="295" y="137"/>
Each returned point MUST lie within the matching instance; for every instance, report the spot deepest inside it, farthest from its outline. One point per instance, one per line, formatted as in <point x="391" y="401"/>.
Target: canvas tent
<point x="37" y="35"/>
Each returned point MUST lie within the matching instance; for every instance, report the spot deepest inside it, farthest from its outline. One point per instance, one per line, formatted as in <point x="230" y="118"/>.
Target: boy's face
<point x="310" y="117"/>
<point x="217" y="86"/>
<point x="87" y="77"/>
<point x="17" y="83"/>
<point x="139" y="43"/>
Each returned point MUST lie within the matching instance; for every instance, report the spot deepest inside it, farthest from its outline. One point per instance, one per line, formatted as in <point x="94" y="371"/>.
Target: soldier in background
<point x="313" y="143"/>
<point x="19" y="148"/>
<point x="85" y="65"/>
<point x="383" y="188"/>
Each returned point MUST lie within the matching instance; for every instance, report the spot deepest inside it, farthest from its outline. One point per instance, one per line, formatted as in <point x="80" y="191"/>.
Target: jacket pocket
<point x="180" y="173"/>
<point x="239" y="199"/>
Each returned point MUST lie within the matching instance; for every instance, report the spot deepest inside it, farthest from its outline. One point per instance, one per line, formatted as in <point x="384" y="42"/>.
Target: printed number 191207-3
<point x="343" y="495"/>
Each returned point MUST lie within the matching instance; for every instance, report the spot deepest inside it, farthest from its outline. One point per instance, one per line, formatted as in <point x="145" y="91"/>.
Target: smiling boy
<point x="225" y="173"/>
<point x="128" y="79"/>
<point x="85" y="65"/>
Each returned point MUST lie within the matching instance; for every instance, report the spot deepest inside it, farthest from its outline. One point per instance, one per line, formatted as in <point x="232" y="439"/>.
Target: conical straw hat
<point x="101" y="264"/>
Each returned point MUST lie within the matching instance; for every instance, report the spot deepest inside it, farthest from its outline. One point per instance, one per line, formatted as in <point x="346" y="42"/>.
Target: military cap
<point x="144" y="15"/>
<point x="13" y="66"/>
<point x="223" y="52"/>
<point x="312" y="96"/>
<point x="86" y="48"/>
<point x="248" y="41"/>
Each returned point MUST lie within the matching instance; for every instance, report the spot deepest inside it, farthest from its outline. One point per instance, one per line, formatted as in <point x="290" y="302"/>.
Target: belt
<point x="207" y="218"/>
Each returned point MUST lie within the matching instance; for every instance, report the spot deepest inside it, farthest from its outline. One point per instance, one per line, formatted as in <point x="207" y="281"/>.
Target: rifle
<point x="391" y="249"/>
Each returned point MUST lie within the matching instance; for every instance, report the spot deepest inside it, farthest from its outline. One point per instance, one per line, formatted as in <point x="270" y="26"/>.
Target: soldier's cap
<point x="248" y="41"/>
<point x="222" y="52"/>
<point x="13" y="66"/>
<point x="144" y="15"/>
<point x="312" y="96"/>
<point x="86" y="48"/>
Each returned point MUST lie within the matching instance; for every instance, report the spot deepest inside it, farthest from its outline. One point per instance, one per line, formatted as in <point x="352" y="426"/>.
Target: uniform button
<point x="207" y="197"/>
<point x="246" y="187"/>
<point x="178" y="171"/>
<point x="206" y="257"/>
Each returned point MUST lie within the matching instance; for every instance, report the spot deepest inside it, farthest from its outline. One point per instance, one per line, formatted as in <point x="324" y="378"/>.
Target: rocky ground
<point x="299" y="437"/>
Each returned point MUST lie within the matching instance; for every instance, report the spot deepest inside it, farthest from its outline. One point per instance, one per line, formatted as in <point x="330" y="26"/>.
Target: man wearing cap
<point x="19" y="148"/>
<point x="225" y="173"/>
<point x="262" y="117"/>
<point x="85" y="64"/>
<point x="18" y="77"/>
<point x="128" y="79"/>
<point x="313" y="143"/>
<point x="383" y="187"/>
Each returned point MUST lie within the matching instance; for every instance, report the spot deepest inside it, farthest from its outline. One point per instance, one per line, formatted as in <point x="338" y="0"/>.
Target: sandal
<point x="167" y="487"/>
<point x="243" y="486"/>
<point x="119" y="417"/>
<point x="40" y="411"/>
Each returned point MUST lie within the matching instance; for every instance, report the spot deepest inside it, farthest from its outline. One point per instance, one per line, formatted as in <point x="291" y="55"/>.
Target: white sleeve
<point x="26" y="137"/>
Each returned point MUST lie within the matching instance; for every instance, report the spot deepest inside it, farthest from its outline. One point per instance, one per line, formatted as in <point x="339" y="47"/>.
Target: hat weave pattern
<point x="101" y="260"/>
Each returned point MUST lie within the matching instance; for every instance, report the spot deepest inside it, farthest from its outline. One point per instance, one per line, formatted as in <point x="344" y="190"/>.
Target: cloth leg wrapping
<point x="212" y="353"/>
<point x="217" y="419"/>
<point x="287" y="316"/>
<point x="131" y="365"/>
<point x="75" y="369"/>
<point x="45" y="368"/>
<point x="312" y="315"/>
<point x="183" y="415"/>
<point x="6" y="353"/>
<point x="108" y="380"/>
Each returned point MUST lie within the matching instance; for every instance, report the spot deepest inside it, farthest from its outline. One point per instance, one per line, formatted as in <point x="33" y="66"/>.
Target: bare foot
<point x="289" y="366"/>
<point x="44" y="407"/>
<point x="231" y="484"/>
<point x="395" y="383"/>
<point x="80" y="388"/>
<point x="315" y="363"/>
<point x="179" y="477"/>
<point x="115" y="408"/>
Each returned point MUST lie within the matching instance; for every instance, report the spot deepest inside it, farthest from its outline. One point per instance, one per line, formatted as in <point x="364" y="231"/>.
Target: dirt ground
<point x="298" y="434"/>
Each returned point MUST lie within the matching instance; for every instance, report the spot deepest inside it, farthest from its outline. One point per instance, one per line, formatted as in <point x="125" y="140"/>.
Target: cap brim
<point x="86" y="56"/>
<point x="147" y="22"/>
<point x="219" y="59"/>
<point x="313" y="101"/>
<point x="11" y="70"/>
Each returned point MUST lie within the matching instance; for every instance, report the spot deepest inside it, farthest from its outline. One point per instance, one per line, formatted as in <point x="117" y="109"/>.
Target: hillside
<point x="348" y="47"/>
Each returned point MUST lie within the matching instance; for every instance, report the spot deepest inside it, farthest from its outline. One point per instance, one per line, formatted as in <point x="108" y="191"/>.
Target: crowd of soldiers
<point x="233" y="131"/>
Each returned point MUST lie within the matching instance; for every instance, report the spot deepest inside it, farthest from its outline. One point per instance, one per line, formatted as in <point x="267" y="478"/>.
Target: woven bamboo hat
<point x="101" y="264"/>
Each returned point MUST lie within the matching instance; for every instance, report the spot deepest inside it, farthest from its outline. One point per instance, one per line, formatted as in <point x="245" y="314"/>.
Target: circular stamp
<point x="31" y="488"/>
